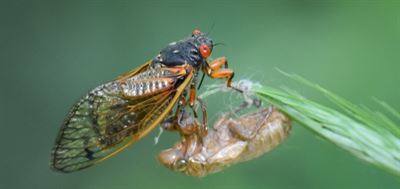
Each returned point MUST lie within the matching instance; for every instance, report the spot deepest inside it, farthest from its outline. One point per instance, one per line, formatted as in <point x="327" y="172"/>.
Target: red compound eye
<point x="205" y="51"/>
<point x="196" y="32"/>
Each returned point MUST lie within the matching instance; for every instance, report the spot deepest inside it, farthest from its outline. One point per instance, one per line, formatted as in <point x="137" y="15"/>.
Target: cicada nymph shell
<point x="231" y="140"/>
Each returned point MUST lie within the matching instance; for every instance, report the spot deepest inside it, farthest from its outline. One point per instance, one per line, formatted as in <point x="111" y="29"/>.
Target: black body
<point x="184" y="52"/>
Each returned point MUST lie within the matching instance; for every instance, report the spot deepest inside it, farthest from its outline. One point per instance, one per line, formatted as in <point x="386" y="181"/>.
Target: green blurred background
<point x="52" y="52"/>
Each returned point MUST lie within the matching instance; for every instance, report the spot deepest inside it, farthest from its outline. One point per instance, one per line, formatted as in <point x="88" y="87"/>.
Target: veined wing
<point x="114" y="115"/>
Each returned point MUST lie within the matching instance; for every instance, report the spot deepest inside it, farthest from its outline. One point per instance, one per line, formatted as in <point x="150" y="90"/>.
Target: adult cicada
<point x="116" y="114"/>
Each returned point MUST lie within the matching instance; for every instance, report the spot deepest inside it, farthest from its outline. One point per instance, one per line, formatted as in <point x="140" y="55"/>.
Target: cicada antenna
<point x="212" y="27"/>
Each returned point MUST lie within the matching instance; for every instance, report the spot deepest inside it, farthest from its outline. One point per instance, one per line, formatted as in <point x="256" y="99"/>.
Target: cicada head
<point x="193" y="50"/>
<point x="185" y="157"/>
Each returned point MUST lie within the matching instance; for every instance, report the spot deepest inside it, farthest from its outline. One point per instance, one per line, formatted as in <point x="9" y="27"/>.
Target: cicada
<point x="116" y="114"/>
<point x="230" y="141"/>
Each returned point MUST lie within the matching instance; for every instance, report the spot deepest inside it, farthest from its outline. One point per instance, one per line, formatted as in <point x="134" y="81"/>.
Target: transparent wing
<point x="114" y="115"/>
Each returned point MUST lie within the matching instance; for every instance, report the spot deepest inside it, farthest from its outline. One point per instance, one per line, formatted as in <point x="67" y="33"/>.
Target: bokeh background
<point x="53" y="52"/>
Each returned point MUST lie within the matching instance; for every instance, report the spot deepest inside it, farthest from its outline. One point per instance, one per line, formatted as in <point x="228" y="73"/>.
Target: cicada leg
<point x="192" y="100"/>
<point x="215" y="71"/>
<point x="204" y="124"/>
<point x="192" y="96"/>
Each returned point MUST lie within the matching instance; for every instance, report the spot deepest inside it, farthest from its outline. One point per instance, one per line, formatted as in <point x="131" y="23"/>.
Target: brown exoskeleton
<point x="231" y="140"/>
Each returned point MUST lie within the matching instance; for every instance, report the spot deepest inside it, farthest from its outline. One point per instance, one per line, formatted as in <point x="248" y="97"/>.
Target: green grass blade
<point x="388" y="108"/>
<point x="369" y="135"/>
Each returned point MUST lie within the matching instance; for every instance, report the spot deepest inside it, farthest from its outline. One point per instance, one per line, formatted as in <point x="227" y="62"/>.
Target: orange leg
<point x="223" y="74"/>
<point x="192" y="99"/>
<point x="192" y="95"/>
<point x="215" y="71"/>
